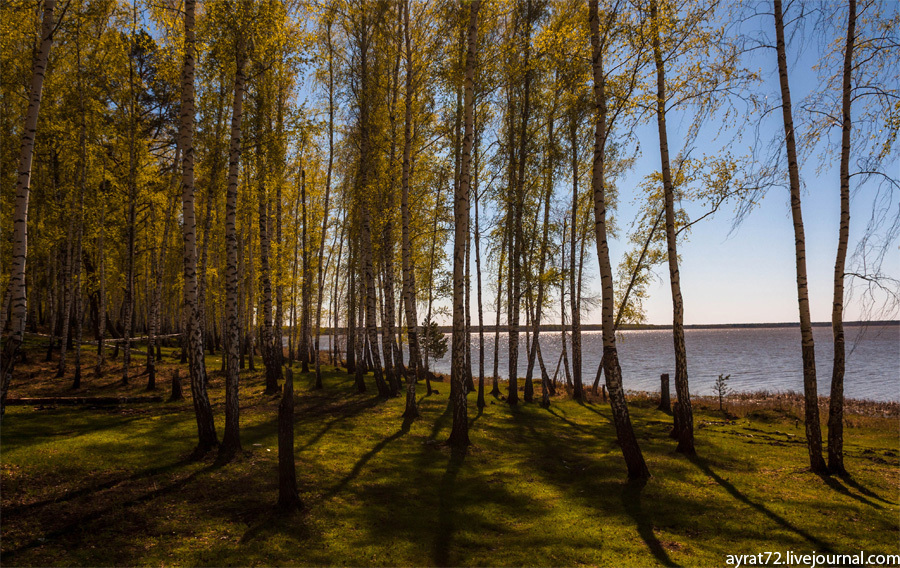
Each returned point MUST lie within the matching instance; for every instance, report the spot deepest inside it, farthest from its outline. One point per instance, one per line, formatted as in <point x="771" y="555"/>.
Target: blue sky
<point x="748" y="275"/>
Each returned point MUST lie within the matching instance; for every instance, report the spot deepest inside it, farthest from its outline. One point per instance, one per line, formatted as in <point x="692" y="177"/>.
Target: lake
<point x="758" y="358"/>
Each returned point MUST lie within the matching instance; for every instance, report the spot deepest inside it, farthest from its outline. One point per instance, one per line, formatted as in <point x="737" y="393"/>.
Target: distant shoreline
<point x="651" y="327"/>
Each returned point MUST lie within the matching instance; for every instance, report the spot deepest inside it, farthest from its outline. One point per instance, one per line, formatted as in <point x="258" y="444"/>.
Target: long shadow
<point x="849" y="480"/>
<point x="441" y="421"/>
<point x="631" y="502"/>
<point x="348" y="410"/>
<point x="630" y="496"/>
<point x="702" y="464"/>
<point x="593" y="409"/>
<point x="17" y="510"/>
<point x="579" y="427"/>
<point x="78" y="525"/>
<point x="361" y="463"/>
<point x="443" y="538"/>
<point x="840" y="488"/>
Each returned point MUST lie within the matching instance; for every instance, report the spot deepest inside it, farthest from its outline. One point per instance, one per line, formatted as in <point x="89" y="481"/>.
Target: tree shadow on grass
<point x="703" y="465"/>
<point x="850" y="481"/>
<point x="631" y="503"/>
<point x="344" y="412"/>
<point x="446" y="521"/>
<point x="150" y="472"/>
<point x="596" y="411"/>
<point x="835" y="484"/>
<point x="78" y="524"/>
<point x="362" y="461"/>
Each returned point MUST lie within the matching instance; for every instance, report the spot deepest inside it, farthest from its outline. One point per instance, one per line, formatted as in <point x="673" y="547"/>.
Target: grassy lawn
<point x="111" y="485"/>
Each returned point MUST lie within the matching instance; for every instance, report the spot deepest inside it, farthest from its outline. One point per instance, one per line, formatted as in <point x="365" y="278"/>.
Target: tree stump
<point x="176" y="387"/>
<point x="288" y="497"/>
<point x="665" y="402"/>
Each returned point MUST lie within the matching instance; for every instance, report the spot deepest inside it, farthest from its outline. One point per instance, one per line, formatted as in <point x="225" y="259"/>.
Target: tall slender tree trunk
<point x="131" y="221"/>
<point x="156" y="300"/>
<point x="82" y="181"/>
<point x="101" y="315"/>
<point x="231" y="439"/>
<point x="336" y="295"/>
<point x="67" y="295"/>
<point x="389" y="327"/>
<point x="351" y="310"/>
<point x="273" y="371"/>
<point x="518" y="236"/>
<point x="564" y="354"/>
<point x="278" y="324"/>
<point x="249" y="337"/>
<point x="536" y="322"/>
<point x="634" y="459"/>
<point x="16" y="290"/>
<point x="476" y="159"/>
<point x="684" y="417"/>
<point x="321" y="273"/>
<point x="495" y="383"/>
<point x="574" y="288"/>
<point x="305" y="293"/>
<point x="409" y="275"/>
<point x="459" y="435"/>
<point x="836" y="404"/>
<point x="79" y="297"/>
<point x="205" y="425"/>
<point x="813" y="428"/>
<point x="292" y="334"/>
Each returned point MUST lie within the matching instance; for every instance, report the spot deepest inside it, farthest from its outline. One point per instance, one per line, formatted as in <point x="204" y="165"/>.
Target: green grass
<point x="111" y="486"/>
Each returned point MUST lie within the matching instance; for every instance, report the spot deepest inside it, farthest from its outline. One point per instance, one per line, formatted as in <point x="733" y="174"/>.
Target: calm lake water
<point x="756" y="358"/>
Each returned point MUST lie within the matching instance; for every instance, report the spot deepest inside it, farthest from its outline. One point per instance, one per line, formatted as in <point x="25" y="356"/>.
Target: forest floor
<point x="90" y="485"/>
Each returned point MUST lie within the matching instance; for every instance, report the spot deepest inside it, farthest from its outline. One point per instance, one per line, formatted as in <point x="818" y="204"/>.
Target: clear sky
<point x="748" y="275"/>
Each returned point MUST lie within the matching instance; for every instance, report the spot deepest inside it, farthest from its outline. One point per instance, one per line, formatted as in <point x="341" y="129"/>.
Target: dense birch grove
<point x="323" y="181"/>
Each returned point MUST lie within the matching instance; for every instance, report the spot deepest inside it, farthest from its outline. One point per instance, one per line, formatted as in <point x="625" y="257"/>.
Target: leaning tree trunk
<point x="16" y="290"/>
<point x="634" y="459"/>
<point x="813" y="429"/>
<point x="684" y="418"/>
<point x="459" y="435"/>
<point x="205" y="425"/>
<point x="836" y="405"/>
<point x="231" y="439"/>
